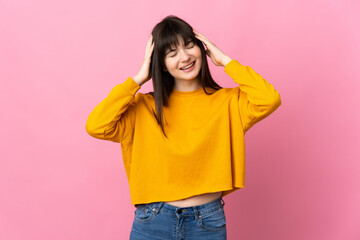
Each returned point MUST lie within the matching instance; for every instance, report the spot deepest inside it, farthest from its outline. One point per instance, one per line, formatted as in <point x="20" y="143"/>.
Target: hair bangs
<point x="169" y="39"/>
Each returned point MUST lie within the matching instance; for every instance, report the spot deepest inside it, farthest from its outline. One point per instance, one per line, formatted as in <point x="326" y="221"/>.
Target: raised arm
<point x="114" y="117"/>
<point x="257" y="97"/>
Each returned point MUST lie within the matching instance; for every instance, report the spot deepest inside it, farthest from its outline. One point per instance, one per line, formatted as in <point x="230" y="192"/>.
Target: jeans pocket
<point x="213" y="221"/>
<point x="143" y="213"/>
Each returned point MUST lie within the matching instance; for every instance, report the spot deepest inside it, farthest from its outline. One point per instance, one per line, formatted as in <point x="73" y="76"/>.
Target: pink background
<point x="59" y="59"/>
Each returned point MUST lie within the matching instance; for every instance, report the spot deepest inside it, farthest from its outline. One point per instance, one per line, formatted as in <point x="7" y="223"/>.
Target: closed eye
<point x="188" y="46"/>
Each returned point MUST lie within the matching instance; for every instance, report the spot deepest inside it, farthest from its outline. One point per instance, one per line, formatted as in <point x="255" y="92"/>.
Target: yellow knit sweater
<point x="205" y="149"/>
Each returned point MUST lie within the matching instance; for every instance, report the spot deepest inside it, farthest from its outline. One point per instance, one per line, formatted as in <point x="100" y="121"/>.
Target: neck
<point x="186" y="85"/>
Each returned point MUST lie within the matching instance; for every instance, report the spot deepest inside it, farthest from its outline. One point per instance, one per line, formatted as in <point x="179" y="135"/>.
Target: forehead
<point x="175" y="42"/>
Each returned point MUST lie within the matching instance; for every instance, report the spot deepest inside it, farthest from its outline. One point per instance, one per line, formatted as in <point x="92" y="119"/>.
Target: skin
<point x="181" y="57"/>
<point x="143" y="75"/>
<point x="185" y="54"/>
<point x="185" y="82"/>
<point x="218" y="57"/>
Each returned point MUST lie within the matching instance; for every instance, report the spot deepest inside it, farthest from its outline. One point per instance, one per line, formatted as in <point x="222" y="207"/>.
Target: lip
<point x="188" y="65"/>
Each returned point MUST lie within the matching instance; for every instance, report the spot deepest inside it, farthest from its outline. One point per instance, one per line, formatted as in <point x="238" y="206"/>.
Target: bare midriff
<point x="196" y="200"/>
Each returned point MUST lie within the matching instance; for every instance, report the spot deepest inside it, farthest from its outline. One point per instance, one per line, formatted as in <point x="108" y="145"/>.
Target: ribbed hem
<point x="130" y="85"/>
<point x="233" y="67"/>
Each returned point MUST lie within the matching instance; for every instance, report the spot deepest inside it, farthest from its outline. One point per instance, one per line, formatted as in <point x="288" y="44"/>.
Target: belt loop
<point x="222" y="202"/>
<point x="157" y="207"/>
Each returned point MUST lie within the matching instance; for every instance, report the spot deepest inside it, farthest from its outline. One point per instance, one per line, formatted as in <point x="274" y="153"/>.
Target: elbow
<point x="276" y="100"/>
<point x="100" y="132"/>
<point x="90" y="129"/>
<point x="273" y="102"/>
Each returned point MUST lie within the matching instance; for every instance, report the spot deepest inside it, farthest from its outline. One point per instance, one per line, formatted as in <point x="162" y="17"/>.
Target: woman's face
<point x="181" y="57"/>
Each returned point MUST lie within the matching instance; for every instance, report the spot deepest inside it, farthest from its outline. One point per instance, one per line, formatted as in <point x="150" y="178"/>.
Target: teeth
<point x="188" y="66"/>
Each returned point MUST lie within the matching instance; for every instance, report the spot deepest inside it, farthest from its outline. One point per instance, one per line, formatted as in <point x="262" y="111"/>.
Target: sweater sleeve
<point x="114" y="117"/>
<point x="257" y="98"/>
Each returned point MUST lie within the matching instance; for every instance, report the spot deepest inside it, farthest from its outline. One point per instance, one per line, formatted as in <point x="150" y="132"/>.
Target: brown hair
<point x="165" y="35"/>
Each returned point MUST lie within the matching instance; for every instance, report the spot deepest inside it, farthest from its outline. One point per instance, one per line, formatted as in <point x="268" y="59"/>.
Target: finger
<point x="205" y="40"/>
<point x="199" y="34"/>
<point x="147" y="46"/>
<point x="196" y="32"/>
<point x="201" y="39"/>
<point x="149" y="52"/>
<point x="149" y="40"/>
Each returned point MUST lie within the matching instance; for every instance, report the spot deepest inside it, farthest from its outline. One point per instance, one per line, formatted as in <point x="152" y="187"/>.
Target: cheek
<point x="167" y="65"/>
<point x="197" y="48"/>
<point x="171" y="65"/>
<point x="198" y="52"/>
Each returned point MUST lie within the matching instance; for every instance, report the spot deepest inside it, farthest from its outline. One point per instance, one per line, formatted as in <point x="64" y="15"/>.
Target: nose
<point x="184" y="56"/>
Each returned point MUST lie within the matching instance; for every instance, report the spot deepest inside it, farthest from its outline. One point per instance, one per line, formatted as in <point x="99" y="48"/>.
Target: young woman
<point x="182" y="144"/>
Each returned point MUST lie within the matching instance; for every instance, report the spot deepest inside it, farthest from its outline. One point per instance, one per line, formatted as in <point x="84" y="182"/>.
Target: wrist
<point x="225" y="60"/>
<point x="138" y="81"/>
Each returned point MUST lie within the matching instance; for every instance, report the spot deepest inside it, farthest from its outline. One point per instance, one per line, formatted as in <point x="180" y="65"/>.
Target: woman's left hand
<point x="216" y="55"/>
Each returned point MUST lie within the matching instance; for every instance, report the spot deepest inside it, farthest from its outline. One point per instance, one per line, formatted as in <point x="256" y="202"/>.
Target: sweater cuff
<point x="233" y="67"/>
<point x="130" y="86"/>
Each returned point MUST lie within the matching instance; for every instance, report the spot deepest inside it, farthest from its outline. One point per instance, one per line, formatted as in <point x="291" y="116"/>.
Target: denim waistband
<point x="185" y="211"/>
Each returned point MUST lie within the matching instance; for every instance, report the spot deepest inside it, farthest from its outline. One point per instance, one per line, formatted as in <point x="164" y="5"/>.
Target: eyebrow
<point x="172" y="50"/>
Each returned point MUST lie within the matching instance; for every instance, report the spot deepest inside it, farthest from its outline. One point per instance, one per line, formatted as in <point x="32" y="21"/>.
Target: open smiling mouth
<point x="189" y="67"/>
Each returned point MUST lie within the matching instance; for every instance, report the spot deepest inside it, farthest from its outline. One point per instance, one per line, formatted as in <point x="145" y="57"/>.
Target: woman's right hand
<point x="143" y="75"/>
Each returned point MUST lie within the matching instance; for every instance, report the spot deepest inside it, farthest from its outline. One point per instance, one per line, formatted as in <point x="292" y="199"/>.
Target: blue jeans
<point x="162" y="221"/>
